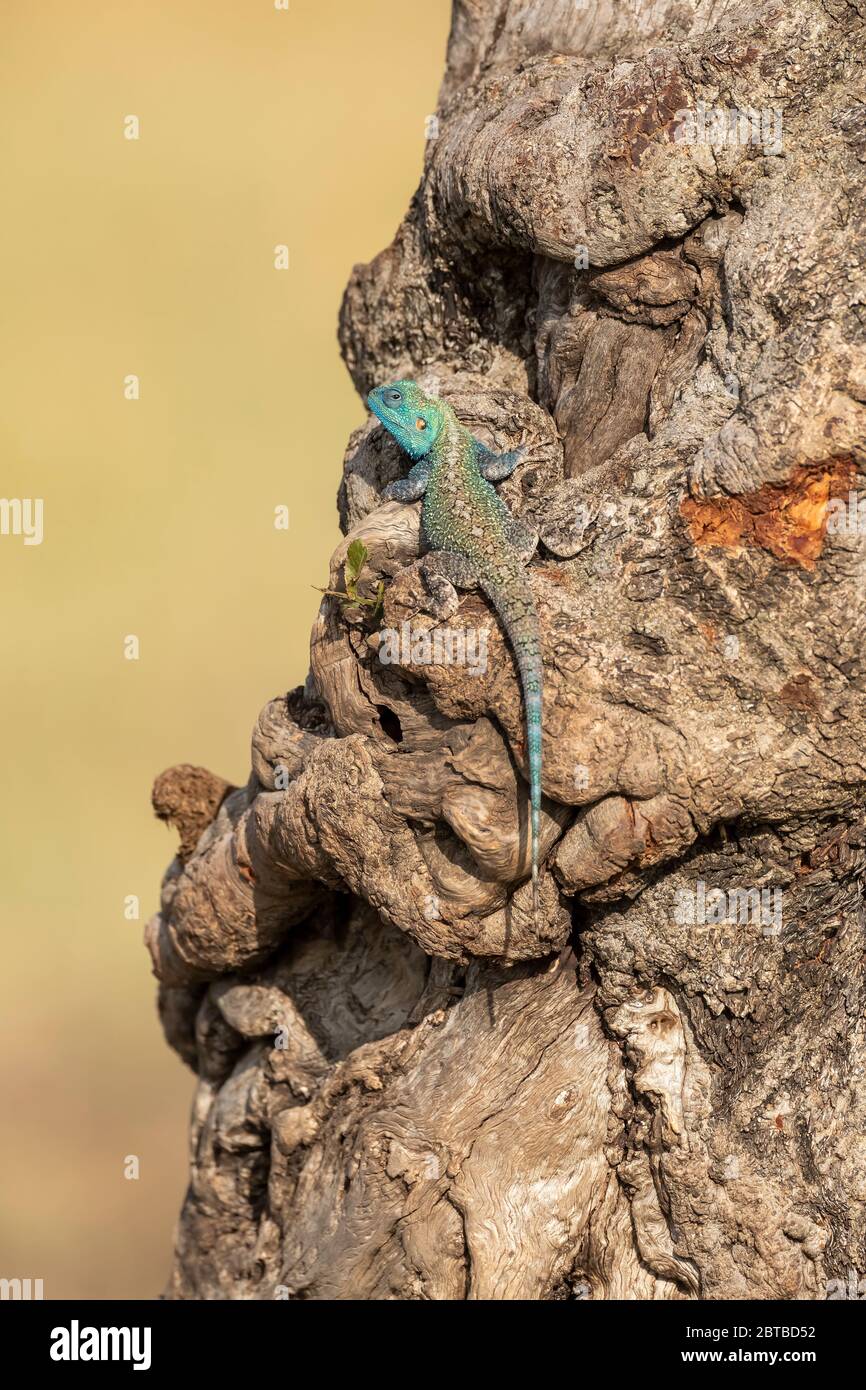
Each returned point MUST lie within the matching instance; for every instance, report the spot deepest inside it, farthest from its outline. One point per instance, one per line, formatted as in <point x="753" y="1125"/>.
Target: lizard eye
<point x="420" y="423"/>
<point x="392" y="396"/>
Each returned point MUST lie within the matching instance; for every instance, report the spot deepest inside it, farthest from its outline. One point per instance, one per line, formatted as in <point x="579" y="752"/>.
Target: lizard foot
<point x="443" y="573"/>
<point x="442" y="600"/>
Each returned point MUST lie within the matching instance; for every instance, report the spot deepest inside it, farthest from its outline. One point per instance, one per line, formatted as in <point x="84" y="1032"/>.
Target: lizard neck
<point x="453" y="452"/>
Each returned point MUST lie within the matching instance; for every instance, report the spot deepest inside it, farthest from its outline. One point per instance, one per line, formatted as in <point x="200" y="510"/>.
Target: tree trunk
<point x="407" y="1087"/>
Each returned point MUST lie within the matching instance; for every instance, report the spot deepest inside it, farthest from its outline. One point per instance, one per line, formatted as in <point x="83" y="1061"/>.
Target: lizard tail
<point x="515" y="606"/>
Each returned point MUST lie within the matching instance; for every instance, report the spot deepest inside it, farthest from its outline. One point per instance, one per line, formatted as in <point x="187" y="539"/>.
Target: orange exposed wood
<point x="788" y="519"/>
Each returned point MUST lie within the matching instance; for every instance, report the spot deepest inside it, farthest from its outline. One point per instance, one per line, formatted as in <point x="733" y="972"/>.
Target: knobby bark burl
<point x="398" y="1097"/>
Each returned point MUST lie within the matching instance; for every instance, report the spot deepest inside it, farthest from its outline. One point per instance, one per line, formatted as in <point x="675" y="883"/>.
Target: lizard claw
<point x="442" y="600"/>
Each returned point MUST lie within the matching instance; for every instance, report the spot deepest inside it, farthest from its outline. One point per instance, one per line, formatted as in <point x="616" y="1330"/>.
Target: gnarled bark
<point x="407" y="1087"/>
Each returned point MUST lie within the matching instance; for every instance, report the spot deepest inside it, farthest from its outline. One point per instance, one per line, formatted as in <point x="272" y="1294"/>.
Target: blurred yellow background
<point x="155" y="257"/>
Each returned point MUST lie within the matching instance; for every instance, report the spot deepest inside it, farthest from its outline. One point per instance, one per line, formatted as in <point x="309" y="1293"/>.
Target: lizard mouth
<point x="384" y="413"/>
<point x="379" y="409"/>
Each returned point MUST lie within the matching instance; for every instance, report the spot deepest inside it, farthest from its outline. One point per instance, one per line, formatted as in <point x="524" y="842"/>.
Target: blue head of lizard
<point x="415" y="420"/>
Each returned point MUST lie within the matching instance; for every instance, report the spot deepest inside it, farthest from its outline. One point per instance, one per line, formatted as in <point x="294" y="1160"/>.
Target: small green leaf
<point x="356" y="557"/>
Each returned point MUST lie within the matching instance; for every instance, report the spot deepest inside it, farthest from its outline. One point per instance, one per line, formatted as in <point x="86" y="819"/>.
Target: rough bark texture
<point x="406" y="1089"/>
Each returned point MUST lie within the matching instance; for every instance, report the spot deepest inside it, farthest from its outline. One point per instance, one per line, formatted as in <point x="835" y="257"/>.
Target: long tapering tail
<point x="512" y="598"/>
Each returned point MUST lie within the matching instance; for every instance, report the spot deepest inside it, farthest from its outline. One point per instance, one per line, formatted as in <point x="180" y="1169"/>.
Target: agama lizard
<point x="474" y="539"/>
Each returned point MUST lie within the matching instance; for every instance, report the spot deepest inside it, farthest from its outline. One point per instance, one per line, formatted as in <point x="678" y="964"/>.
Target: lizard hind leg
<point x="522" y="538"/>
<point x="443" y="573"/>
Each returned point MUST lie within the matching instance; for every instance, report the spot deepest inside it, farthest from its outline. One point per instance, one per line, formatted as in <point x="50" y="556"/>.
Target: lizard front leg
<point x="410" y="488"/>
<point x="496" y="467"/>
<point x="443" y="573"/>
